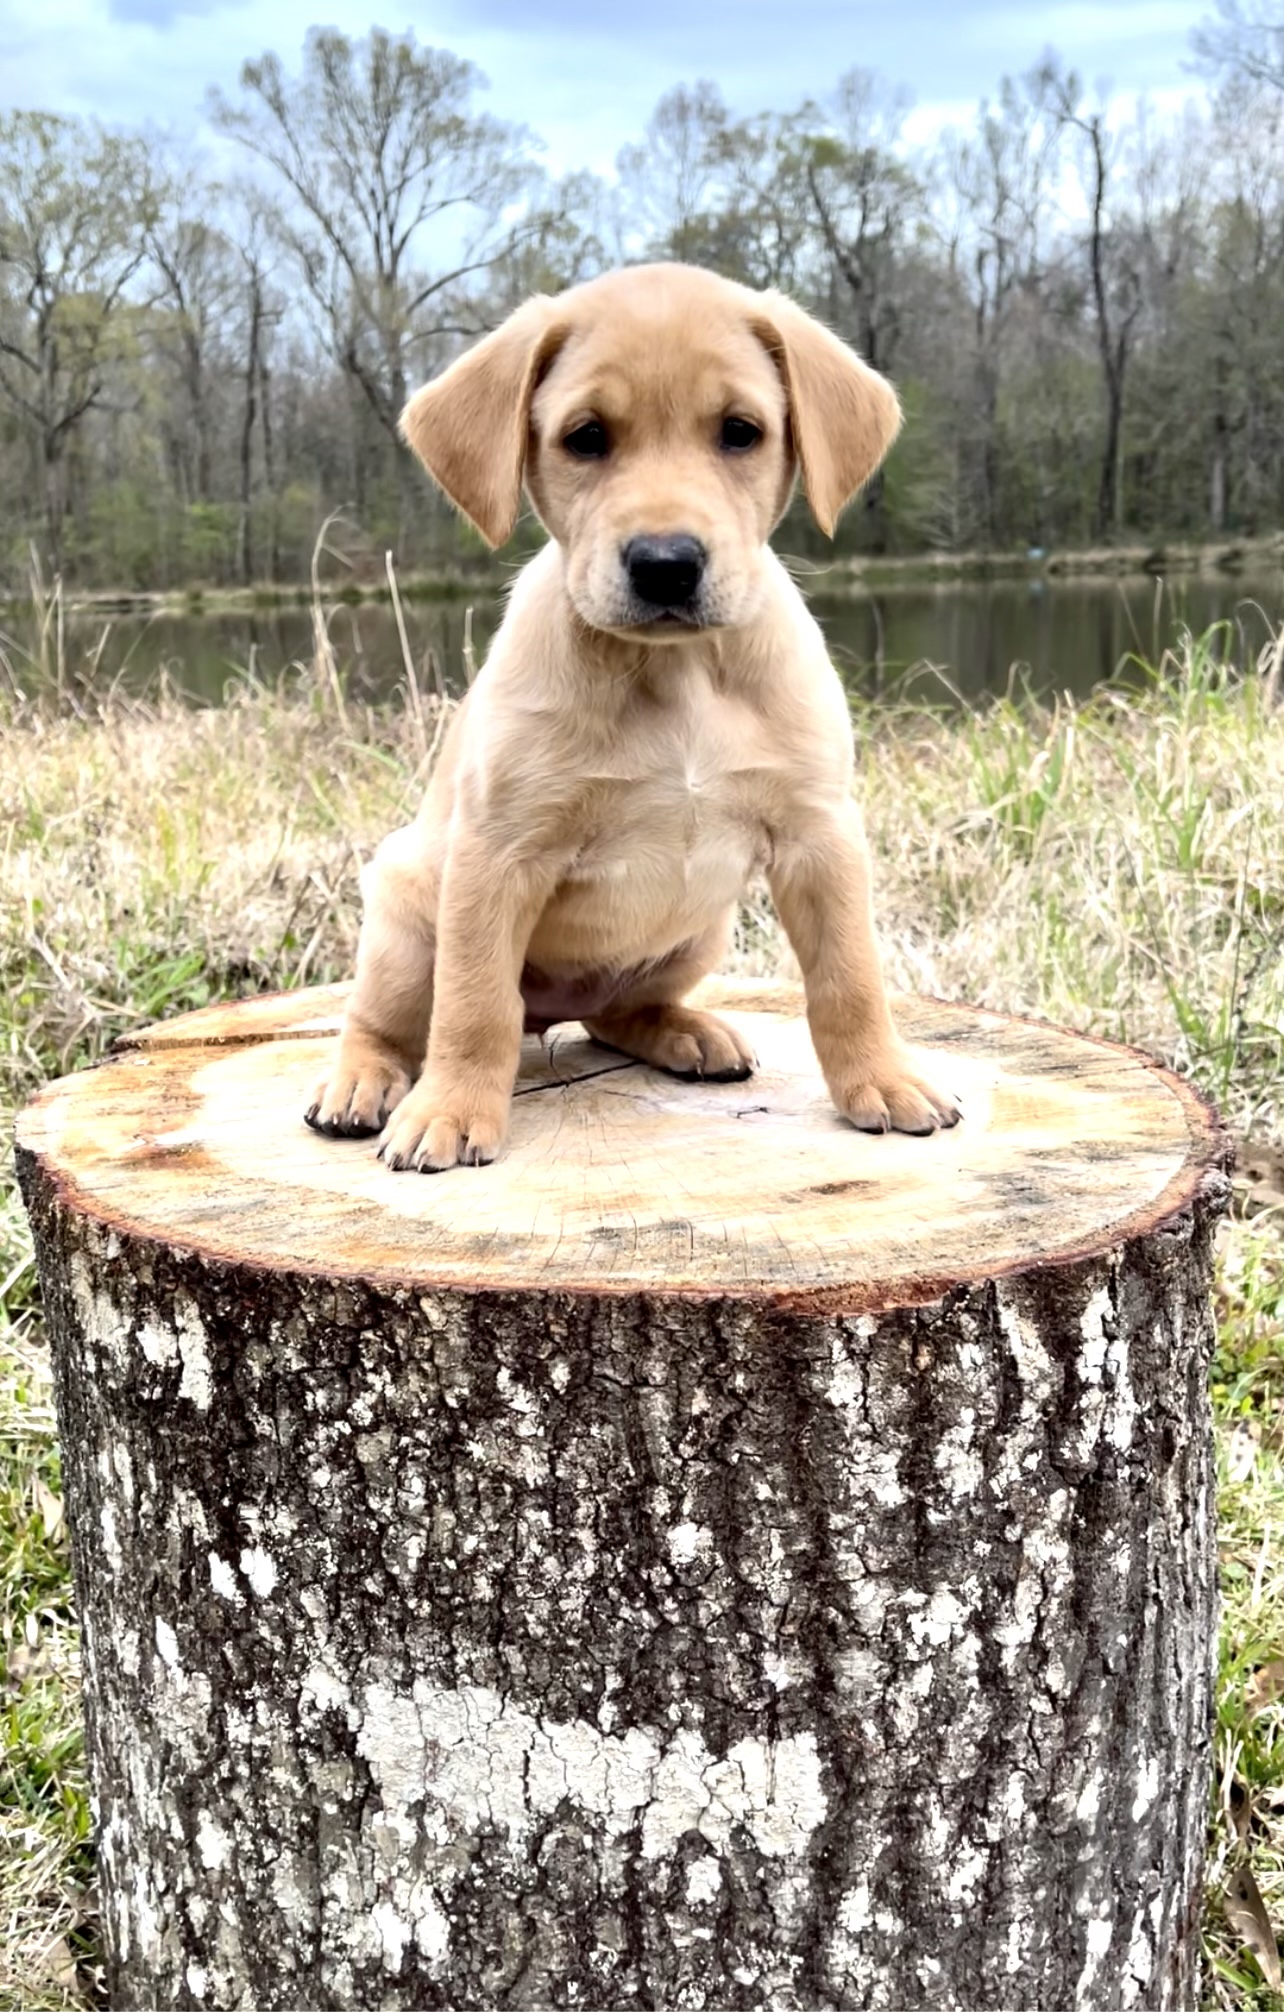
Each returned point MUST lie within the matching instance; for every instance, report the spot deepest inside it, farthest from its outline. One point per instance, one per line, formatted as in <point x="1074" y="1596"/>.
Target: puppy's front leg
<point x="457" y="1113"/>
<point x="385" y="1029"/>
<point x="819" y="881"/>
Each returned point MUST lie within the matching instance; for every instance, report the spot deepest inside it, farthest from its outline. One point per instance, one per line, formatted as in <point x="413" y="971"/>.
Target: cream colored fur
<point x="613" y="780"/>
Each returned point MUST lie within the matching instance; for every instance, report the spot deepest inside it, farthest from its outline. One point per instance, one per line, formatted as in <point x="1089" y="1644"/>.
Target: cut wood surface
<point x="619" y="1178"/>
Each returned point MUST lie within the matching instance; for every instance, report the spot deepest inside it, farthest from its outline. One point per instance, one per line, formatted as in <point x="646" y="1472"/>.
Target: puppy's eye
<point x="588" y="442"/>
<point x="739" y="435"/>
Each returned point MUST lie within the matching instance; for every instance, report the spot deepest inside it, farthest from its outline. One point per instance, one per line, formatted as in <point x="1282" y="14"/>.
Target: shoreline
<point x="834" y="577"/>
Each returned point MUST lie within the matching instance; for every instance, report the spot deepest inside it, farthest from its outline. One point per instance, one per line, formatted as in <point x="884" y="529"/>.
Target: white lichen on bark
<point x="471" y="1761"/>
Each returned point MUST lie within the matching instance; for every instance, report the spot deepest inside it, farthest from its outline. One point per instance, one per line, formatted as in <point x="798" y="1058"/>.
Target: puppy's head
<point x="658" y="417"/>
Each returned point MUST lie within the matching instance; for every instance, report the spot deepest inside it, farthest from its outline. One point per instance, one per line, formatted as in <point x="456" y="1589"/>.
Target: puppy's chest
<point x="695" y="805"/>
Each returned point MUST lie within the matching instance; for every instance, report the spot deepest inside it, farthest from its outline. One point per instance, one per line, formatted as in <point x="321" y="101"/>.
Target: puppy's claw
<point x="695" y="1046"/>
<point x="354" y="1099"/>
<point x="739" y="1074"/>
<point x="423" y="1138"/>
<point x="891" y="1098"/>
<point x="349" y="1128"/>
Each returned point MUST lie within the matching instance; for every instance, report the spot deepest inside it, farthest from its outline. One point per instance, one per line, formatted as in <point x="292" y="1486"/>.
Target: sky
<point x="585" y="74"/>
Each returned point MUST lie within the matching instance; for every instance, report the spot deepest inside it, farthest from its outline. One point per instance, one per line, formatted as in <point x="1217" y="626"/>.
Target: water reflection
<point x="967" y="638"/>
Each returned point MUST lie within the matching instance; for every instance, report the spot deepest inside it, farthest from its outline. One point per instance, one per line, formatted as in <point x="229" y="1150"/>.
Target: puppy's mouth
<point x="664" y="621"/>
<point x="634" y="623"/>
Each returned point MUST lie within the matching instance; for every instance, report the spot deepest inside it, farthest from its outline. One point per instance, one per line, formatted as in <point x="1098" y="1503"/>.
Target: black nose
<point x="665" y="572"/>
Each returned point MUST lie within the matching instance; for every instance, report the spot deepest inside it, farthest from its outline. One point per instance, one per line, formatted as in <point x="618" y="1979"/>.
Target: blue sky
<point x="584" y="83"/>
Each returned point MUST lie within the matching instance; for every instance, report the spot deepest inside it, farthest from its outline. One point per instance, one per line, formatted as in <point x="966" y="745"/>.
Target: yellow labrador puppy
<point x="657" y="721"/>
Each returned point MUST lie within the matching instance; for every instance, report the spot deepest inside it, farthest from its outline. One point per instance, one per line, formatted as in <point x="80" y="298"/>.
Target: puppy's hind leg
<point x="384" y="1038"/>
<point x="650" y="1022"/>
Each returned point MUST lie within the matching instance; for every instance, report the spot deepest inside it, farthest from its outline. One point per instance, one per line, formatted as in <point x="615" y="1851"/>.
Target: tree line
<point x="1085" y="318"/>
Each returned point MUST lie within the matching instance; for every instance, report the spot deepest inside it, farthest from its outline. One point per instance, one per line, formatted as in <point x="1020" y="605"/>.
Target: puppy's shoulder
<point x="537" y="596"/>
<point x="789" y="641"/>
<point x="531" y="649"/>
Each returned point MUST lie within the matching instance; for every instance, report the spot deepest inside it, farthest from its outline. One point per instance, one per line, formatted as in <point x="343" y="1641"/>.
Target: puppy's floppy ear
<point x="844" y="416"/>
<point x="469" y="426"/>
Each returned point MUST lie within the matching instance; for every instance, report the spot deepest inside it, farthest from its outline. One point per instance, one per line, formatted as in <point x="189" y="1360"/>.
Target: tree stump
<point x="710" y="1559"/>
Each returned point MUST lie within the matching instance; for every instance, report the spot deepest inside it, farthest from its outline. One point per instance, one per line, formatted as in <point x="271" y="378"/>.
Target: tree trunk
<point x="197" y="399"/>
<point x="51" y="472"/>
<point x="710" y="1559"/>
<point x="247" y="431"/>
<point x="1112" y="349"/>
<point x="1217" y="481"/>
<point x="269" y="472"/>
<point x="1106" y="516"/>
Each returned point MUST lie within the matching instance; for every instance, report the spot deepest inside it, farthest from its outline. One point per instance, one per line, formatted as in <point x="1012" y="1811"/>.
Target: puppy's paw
<point x="438" y="1126"/>
<point x="885" y="1093"/>
<point x="680" y="1039"/>
<point x="358" y="1093"/>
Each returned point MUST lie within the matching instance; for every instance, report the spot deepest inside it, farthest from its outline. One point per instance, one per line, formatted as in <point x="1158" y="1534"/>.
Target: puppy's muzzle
<point x="665" y="574"/>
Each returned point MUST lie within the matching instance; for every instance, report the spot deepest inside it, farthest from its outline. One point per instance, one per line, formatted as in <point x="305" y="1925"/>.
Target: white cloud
<point x="586" y="86"/>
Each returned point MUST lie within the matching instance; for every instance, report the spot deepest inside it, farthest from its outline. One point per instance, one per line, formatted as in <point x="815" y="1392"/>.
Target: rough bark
<point x="541" y="1647"/>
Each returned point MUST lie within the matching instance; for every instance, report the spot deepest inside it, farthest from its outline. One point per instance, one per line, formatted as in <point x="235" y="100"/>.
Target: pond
<point x="938" y="641"/>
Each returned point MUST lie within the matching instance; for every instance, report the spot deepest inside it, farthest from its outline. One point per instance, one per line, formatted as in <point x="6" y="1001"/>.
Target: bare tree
<point x="1246" y="37"/>
<point x="766" y="233"/>
<point x="1001" y="174"/>
<point x="1131" y="254"/>
<point x="1114" y="253"/>
<point x="670" y="183"/>
<point x="395" y="192"/>
<point x="864" y="200"/>
<point x="566" y="239"/>
<point x="194" y="261"/>
<point x="1234" y="316"/>
<point x="75" y="202"/>
<point x="260" y="311"/>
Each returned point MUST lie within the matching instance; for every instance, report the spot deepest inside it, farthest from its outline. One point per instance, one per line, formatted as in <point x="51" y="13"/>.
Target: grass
<point x="1116" y="865"/>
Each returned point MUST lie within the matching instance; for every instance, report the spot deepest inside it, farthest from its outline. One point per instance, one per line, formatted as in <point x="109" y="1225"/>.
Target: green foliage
<point x="1020" y="763"/>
